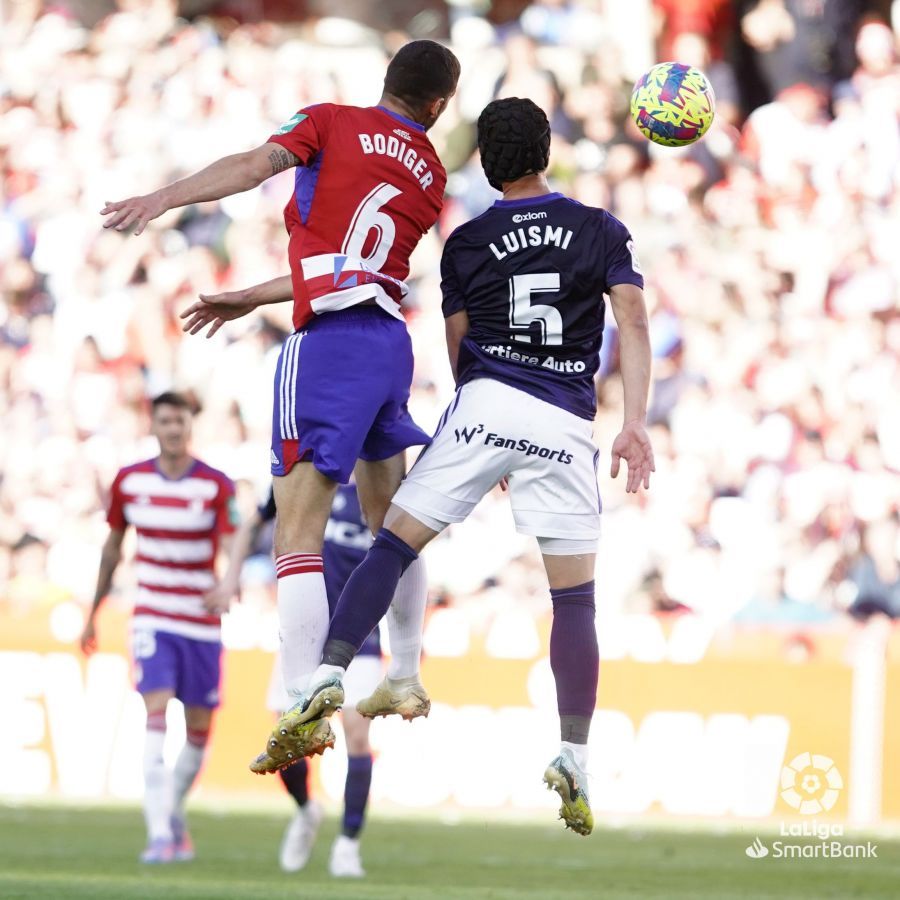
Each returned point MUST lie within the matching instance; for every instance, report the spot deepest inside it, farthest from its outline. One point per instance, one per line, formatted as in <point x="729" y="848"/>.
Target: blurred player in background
<point x="183" y="511"/>
<point x="346" y="541"/>
<point x="368" y="186"/>
<point x="523" y="287"/>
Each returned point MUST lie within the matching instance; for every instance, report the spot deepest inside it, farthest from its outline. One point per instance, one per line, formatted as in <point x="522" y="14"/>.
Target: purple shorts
<point x="190" y="668"/>
<point x="341" y="390"/>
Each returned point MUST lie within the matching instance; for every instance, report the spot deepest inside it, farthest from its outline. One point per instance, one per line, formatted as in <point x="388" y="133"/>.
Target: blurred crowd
<point x="770" y="251"/>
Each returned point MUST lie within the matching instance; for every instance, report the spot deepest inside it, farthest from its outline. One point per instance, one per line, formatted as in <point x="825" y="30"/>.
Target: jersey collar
<point x="529" y="201"/>
<point x="395" y="115"/>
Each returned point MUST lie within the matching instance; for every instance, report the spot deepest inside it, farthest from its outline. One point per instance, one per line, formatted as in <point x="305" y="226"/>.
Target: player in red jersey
<point x="182" y="509"/>
<point x="368" y="186"/>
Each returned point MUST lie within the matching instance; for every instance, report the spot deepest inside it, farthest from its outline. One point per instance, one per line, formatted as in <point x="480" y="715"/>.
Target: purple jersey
<point x="347" y="540"/>
<point x="531" y="275"/>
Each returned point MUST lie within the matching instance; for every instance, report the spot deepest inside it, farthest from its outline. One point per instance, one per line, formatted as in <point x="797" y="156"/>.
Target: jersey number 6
<point x="370" y="217"/>
<point x="522" y="312"/>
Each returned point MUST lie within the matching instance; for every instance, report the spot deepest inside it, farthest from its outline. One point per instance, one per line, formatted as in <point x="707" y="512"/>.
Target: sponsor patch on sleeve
<point x="292" y="123"/>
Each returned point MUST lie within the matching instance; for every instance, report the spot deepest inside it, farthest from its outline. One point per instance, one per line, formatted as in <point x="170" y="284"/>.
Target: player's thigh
<point x="553" y="485"/>
<point x="155" y="666"/>
<point x="376" y="483"/>
<point x="157" y="701"/>
<point x="199" y="672"/>
<point x="303" y="499"/>
<point x="329" y="387"/>
<point x="465" y="460"/>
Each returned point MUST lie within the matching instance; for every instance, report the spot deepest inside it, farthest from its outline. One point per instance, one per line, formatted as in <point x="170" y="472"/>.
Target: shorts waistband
<point x="347" y="316"/>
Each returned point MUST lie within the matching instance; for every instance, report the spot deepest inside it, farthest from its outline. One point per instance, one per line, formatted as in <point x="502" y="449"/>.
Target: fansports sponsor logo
<point x="528" y="217"/>
<point x="757" y="850"/>
<point x="466" y="434"/>
<point x="520" y="445"/>
<point x="404" y="134"/>
<point x="811" y="784"/>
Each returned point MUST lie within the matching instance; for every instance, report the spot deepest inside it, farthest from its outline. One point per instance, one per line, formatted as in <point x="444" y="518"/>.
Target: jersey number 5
<point x="522" y="312"/>
<point x="368" y="218"/>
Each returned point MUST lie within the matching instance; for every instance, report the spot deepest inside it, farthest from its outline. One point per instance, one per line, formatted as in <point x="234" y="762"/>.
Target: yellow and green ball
<point x="673" y="104"/>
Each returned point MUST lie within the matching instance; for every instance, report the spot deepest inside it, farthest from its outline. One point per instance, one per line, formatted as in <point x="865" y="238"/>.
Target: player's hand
<point x="134" y="213"/>
<point x="215" y="310"/>
<point x="218" y="600"/>
<point x="88" y="638"/>
<point x="633" y="445"/>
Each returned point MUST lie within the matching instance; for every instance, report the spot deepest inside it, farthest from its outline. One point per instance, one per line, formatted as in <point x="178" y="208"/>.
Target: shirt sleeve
<point x="453" y="298"/>
<point x="115" y="514"/>
<point x="306" y="132"/>
<point x="622" y="266"/>
<point x="227" y="517"/>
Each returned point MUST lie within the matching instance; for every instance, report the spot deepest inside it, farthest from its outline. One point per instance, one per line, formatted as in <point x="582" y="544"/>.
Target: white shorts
<point x="492" y="430"/>
<point x="363" y="676"/>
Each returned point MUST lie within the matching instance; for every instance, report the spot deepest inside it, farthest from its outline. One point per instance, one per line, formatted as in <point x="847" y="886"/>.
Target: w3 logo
<point x="466" y="434"/>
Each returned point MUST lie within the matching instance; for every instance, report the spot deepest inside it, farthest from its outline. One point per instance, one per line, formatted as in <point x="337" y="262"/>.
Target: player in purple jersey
<point x="346" y="541"/>
<point x="523" y="288"/>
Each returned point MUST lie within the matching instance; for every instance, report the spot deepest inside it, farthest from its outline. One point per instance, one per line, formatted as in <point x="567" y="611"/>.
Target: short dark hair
<point x="421" y="72"/>
<point x="513" y="140"/>
<point x="171" y="398"/>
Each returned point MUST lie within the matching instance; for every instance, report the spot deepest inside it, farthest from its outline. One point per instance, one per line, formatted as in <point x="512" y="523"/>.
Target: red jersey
<point x="369" y="185"/>
<point x="178" y="522"/>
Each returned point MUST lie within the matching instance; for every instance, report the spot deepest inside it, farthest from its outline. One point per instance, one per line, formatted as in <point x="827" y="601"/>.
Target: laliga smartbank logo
<point x="811" y="784"/>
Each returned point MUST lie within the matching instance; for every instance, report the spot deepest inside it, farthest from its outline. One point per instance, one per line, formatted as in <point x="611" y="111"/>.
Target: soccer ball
<point x="673" y="104"/>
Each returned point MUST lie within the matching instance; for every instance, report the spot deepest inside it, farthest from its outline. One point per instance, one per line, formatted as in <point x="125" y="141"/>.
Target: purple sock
<point x="574" y="659"/>
<point x="366" y="597"/>
<point x="296" y="780"/>
<point x="356" y="793"/>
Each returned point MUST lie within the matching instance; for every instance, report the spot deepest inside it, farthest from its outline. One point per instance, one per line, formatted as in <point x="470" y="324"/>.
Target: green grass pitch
<point x="67" y="852"/>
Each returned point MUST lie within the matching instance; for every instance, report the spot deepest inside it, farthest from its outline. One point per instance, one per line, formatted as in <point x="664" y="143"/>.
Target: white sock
<point x="157" y="787"/>
<point x="579" y="752"/>
<point x="302" y="617"/>
<point x="405" y="620"/>
<point x="326" y="671"/>
<point x="187" y="766"/>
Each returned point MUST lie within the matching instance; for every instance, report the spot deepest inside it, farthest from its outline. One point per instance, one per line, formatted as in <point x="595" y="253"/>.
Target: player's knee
<point x="198" y="722"/>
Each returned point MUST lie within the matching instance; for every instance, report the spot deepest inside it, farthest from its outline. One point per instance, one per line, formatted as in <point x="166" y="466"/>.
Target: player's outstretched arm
<point x="109" y="562"/>
<point x="632" y="443"/>
<point x="229" y="175"/>
<point x="217" y="309"/>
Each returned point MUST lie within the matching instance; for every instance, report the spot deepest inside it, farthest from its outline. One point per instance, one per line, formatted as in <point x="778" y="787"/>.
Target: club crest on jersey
<point x="351" y="279"/>
<point x="292" y="123"/>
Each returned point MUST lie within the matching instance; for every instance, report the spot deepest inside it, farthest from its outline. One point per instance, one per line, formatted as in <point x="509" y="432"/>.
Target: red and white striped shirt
<point x="178" y="523"/>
